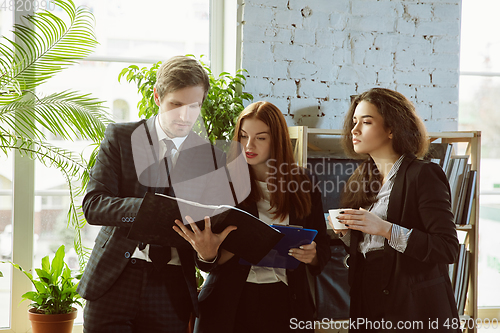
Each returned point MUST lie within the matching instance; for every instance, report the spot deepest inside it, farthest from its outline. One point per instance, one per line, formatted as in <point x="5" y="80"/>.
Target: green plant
<point x="55" y="286"/>
<point x="223" y="104"/>
<point x="46" y="44"/>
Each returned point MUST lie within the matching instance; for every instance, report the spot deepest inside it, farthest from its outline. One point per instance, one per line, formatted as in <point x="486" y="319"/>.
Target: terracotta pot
<point x="56" y="323"/>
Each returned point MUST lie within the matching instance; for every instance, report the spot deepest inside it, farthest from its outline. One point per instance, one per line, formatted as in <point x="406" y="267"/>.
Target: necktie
<point x="160" y="255"/>
<point x="165" y="166"/>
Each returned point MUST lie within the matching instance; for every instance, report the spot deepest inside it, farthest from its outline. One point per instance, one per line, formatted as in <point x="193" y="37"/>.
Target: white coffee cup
<point x="333" y="216"/>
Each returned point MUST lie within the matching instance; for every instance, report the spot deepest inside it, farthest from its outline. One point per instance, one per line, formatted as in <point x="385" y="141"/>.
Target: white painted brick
<point x="319" y="56"/>
<point x="421" y="11"/>
<point x="441" y="61"/>
<point x="445" y="111"/>
<point x="347" y="74"/>
<point x="437" y="95"/>
<point x="305" y="111"/>
<point x="285" y="88"/>
<point x="286" y="17"/>
<point x="318" y="20"/>
<point x="339" y="56"/>
<point x="424" y="111"/>
<point x="446" y="45"/>
<point x="379" y="8"/>
<point x="266" y="68"/>
<point x="304" y="37"/>
<point x="412" y="77"/>
<point x="405" y="26"/>
<point x="281" y="103"/>
<point x="407" y="90"/>
<point x="258" y="15"/>
<point x="310" y="88"/>
<point x="338" y="21"/>
<point x="352" y="52"/>
<point x="385" y="76"/>
<point x="366" y="74"/>
<point x="441" y="125"/>
<point x="324" y="38"/>
<point x="254" y="33"/>
<point x="416" y="45"/>
<point x="445" y="77"/>
<point x="257" y="50"/>
<point x="436" y="28"/>
<point x="288" y="52"/>
<point x="359" y="46"/>
<point x="300" y="69"/>
<point x="379" y="58"/>
<point x="289" y="120"/>
<point x="404" y="60"/>
<point x="320" y="5"/>
<point x="340" y="38"/>
<point x="257" y="86"/>
<point x="447" y="12"/>
<point x="371" y="24"/>
<point x="339" y="91"/>
<point x="267" y="3"/>
<point x="386" y="42"/>
<point x="333" y="108"/>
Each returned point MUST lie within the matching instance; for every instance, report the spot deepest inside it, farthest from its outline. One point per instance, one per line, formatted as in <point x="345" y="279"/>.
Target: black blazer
<point x="417" y="281"/>
<point x="220" y="295"/>
<point x="114" y="195"/>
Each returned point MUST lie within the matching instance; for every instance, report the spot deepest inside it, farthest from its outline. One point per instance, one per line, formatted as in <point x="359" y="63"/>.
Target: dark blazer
<point x="417" y="284"/>
<point x="114" y="195"/>
<point x="220" y="295"/>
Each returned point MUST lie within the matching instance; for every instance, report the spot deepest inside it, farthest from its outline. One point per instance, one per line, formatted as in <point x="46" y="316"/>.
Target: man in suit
<point x="134" y="287"/>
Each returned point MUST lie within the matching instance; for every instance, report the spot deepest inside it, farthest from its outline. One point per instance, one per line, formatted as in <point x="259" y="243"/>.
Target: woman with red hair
<point x="243" y="298"/>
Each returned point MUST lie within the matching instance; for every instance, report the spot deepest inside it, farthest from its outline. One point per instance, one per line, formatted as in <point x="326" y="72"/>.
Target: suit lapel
<point x="394" y="211"/>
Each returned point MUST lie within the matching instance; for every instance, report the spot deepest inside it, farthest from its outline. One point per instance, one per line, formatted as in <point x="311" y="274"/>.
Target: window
<point x="128" y="32"/>
<point x="479" y="91"/>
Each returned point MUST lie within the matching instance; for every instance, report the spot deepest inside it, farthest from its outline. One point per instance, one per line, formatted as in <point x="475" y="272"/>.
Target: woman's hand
<point x="366" y="222"/>
<point x="205" y="242"/>
<point x="342" y="232"/>
<point x="306" y="254"/>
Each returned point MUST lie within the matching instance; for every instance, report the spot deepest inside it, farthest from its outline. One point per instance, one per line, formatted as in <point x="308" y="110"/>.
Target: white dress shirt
<point x="259" y="274"/>
<point x="178" y="141"/>
<point x="399" y="234"/>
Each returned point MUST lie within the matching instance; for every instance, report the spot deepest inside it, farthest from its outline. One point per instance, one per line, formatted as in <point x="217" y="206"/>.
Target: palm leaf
<point x="68" y="114"/>
<point x="44" y="51"/>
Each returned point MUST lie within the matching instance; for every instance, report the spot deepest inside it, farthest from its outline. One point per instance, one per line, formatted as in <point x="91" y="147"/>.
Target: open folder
<point x="278" y="257"/>
<point x="153" y="225"/>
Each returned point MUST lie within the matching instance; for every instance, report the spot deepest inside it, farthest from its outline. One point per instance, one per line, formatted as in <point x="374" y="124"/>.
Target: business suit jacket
<point x="220" y="295"/>
<point x="114" y="195"/>
<point x="417" y="284"/>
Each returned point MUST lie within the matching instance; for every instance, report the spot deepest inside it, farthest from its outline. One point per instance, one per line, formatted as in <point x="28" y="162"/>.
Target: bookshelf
<point x="465" y="143"/>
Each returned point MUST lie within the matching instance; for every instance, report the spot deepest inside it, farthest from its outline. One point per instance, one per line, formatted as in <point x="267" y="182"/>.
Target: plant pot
<point x="55" y="323"/>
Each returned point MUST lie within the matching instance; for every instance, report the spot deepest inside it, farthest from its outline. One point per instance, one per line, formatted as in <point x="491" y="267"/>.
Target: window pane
<point x="153" y="29"/>
<point x="480" y="45"/>
<point x="5" y="238"/>
<point x="478" y="107"/>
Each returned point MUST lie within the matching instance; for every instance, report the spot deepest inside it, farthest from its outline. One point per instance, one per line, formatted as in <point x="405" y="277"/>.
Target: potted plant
<point x="222" y="106"/>
<point x="52" y="302"/>
<point x="46" y="43"/>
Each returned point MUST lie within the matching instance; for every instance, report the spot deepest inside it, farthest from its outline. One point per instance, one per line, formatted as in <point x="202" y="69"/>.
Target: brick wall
<point x="308" y="57"/>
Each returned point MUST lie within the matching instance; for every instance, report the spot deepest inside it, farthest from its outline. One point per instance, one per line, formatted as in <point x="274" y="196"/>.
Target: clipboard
<point x="278" y="257"/>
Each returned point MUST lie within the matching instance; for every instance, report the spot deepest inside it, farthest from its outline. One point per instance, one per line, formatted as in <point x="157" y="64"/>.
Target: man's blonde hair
<point x="179" y="72"/>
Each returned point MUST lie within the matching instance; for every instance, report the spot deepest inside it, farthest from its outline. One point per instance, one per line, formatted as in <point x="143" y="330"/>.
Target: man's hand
<point x="205" y="242"/>
<point x="306" y="254"/>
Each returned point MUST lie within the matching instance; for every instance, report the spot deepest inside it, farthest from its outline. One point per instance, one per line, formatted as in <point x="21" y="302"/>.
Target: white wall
<point x="308" y="57"/>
